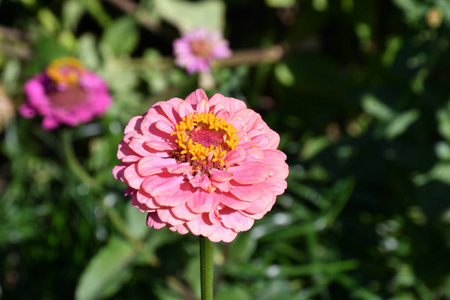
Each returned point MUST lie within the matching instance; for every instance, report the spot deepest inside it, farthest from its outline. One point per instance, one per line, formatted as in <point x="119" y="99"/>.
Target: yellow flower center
<point x="66" y="70"/>
<point x="204" y="140"/>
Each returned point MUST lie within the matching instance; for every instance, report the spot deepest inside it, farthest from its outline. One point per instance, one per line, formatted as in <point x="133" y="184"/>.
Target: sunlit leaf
<point x="443" y="117"/>
<point x="280" y="3"/>
<point x="284" y="75"/>
<point x="107" y="271"/>
<point x="135" y="219"/>
<point x="401" y="122"/>
<point x="121" y="36"/>
<point x="227" y="292"/>
<point x="186" y="15"/>
<point x="96" y="9"/>
<point x="374" y="107"/>
<point x="72" y="13"/>
<point x="48" y="20"/>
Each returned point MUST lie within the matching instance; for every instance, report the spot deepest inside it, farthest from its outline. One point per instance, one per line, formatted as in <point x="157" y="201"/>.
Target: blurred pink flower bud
<point x="196" y="50"/>
<point x="66" y="93"/>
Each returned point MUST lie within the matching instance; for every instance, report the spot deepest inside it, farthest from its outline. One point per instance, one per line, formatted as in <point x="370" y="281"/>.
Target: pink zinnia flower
<point x="209" y="167"/>
<point x="196" y="50"/>
<point x="66" y="93"/>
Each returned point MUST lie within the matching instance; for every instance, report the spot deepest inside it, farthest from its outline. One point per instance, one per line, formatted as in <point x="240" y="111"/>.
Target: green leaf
<point x="45" y="50"/>
<point x="95" y="8"/>
<point x="320" y="5"/>
<point x="192" y="275"/>
<point x="413" y="10"/>
<point x="107" y="271"/>
<point x="87" y="51"/>
<point x="442" y="150"/>
<point x="443" y="117"/>
<point x="227" y="292"/>
<point x="374" y="107"/>
<point x="280" y="3"/>
<point x="136" y="222"/>
<point x="393" y="45"/>
<point x="314" y="146"/>
<point x="187" y="16"/>
<point x="243" y="247"/>
<point x="440" y="172"/>
<point x="72" y="12"/>
<point x="10" y="74"/>
<point x="284" y="74"/>
<point x="401" y="122"/>
<point x="48" y="20"/>
<point x="122" y="36"/>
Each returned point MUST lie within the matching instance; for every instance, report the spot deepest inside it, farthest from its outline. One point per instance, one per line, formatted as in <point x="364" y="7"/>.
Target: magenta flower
<point x="209" y="167"/>
<point x="196" y="50"/>
<point x="66" y="93"/>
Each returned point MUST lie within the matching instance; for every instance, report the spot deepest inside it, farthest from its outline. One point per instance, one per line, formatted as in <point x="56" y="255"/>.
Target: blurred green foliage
<point x="360" y="98"/>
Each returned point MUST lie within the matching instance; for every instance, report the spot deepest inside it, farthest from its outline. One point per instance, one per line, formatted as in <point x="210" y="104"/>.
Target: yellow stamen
<point x="201" y="153"/>
<point x="65" y="70"/>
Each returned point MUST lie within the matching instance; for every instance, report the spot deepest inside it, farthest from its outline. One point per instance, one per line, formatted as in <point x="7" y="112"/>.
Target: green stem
<point x="206" y="268"/>
<point x="73" y="163"/>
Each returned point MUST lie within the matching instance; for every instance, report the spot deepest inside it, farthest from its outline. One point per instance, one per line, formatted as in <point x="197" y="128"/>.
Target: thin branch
<point x="131" y="8"/>
<point x="267" y="55"/>
<point x="14" y="34"/>
<point x="22" y="52"/>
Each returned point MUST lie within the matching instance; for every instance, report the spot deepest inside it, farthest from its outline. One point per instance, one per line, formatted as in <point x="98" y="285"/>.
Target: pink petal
<point x="200" y="227"/>
<point x="222" y="234"/>
<point x="201" y="181"/>
<point x="220" y="176"/>
<point x="235" y="156"/>
<point x="181" y="196"/>
<point x="141" y="206"/>
<point x="203" y="202"/>
<point x="247" y="119"/>
<point x="153" y="164"/>
<point x="164" y="127"/>
<point x="232" y="105"/>
<point x="137" y="145"/>
<point x="118" y="171"/>
<point x="162" y="184"/>
<point x="277" y="188"/>
<point x="217" y="107"/>
<point x="181" y="229"/>
<point x="274" y="158"/>
<point x="159" y="146"/>
<point x="214" y="217"/>
<point x="195" y="97"/>
<point x="232" y="202"/>
<point x="181" y="168"/>
<point x="258" y="216"/>
<point x="245" y="192"/>
<point x="261" y="204"/>
<point x="225" y="115"/>
<point x="203" y="106"/>
<point x="134" y="124"/>
<point x="125" y="154"/>
<point x="154" y="221"/>
<point x="250" y="173"/>
<point x="169" y="110"/>
<point x="167" y="217"/>
<point x="222" y="186"/>
<point x="234" y="220"/>
<point x="131" y="177"/>
<point x="146" y="199"/>
<point x="183" y="212"/>
<point x="185" y="109"/>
